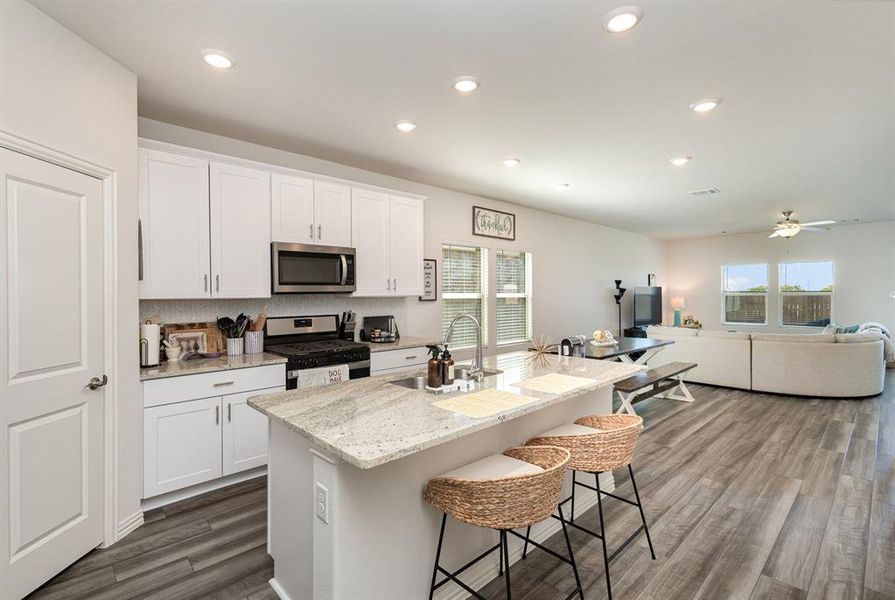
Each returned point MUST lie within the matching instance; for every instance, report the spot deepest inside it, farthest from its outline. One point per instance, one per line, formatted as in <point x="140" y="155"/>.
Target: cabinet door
<point x="369" y="235"/>
<point x="245" y="433"/>
<point x="181" y="445"/>
<point x="406" y="246"/>
<point x="240" y="232"/>
<point x="173" y="226"/>
<point x="292" y="209"/>
<point x="332" y="213"/>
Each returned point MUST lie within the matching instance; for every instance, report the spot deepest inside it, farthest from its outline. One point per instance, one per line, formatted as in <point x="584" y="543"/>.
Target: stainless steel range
<point x="313" y="342"/>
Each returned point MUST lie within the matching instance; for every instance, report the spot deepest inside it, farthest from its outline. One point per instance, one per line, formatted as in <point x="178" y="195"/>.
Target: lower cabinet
<point x="389" y="361"/>
<point x="194" y="441"/>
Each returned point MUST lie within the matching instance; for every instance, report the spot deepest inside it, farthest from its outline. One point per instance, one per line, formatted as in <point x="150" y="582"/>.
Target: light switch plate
<point x="321" y="502"/>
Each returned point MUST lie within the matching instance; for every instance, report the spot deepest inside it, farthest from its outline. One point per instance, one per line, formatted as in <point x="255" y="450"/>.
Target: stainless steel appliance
<point x="313" y="342"/>
<point x="306" y="268"/>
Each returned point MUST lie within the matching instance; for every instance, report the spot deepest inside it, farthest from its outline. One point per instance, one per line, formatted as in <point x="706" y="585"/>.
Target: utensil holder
<point x="254" y="342"/>
<point x="234" y="346"/>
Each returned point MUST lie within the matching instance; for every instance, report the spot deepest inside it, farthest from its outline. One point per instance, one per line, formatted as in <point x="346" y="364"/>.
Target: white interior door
<point x="240" y="231"/>
<point x="369" y="235"/>
<point x="245" y="433"/>
<point x="332" y="213"/>
<point x="51" y="327"/>
<point x="292" y="209"/>
<point x="173" y="226"/>
<point x="406" y="246"/>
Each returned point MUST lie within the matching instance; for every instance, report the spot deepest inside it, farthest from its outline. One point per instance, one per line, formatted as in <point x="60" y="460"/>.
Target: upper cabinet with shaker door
<point x="173" y="226"/>
<point x="387" y="232"/>
<point x="305" y="211"/>
<point x="240" y="231"/>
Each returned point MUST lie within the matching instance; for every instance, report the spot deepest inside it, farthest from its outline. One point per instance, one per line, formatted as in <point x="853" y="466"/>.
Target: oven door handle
<point x="344" y="269"/>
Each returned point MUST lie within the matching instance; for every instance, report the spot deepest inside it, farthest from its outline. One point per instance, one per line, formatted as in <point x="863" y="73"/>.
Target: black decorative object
<point x="619" y="294"/>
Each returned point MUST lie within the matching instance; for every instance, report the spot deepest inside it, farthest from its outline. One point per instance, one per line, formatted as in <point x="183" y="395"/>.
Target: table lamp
<point x="677" y="303"/>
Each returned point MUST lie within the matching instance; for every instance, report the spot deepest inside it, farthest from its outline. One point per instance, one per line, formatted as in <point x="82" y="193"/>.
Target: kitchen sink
<point x="419" y="382"/>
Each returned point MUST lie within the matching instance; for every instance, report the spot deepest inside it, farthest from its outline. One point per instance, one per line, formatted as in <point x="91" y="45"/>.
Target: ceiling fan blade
<point x="813" y="223"/>
<point x="775" y="234"/>
<point x="815" y="229"/>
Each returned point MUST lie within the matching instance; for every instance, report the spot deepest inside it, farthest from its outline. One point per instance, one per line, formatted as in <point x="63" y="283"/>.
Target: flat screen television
<point x="647" y="306"/>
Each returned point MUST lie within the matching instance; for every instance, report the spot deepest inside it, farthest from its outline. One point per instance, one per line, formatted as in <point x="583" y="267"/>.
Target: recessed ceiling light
<point x="622" y="19"/>
<point x="466" y="83"/>
<point x="705" y="105"/>
<point x="561" y="186"/>
<point x="680" y="161"/>
<point x="405" y="126"/>
<point x="511" y="163"/>
<point x="218" y="59"/>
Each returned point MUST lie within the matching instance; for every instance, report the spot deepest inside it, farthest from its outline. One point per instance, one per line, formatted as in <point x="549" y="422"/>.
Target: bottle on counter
<point x="447" y="367"/>
<point x="434" y="375"/>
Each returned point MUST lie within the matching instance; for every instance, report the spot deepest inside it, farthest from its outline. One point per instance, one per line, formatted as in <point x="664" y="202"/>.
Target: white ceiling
<point x="807" y="120"/>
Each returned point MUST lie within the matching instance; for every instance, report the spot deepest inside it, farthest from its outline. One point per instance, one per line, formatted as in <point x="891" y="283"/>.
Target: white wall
<point x="864" y="273"/>
<point x="574" y="262"/>
<point x="60" y="92"/>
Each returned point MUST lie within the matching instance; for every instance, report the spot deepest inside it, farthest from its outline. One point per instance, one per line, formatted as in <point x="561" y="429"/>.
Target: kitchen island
<point x="348" y="464"/>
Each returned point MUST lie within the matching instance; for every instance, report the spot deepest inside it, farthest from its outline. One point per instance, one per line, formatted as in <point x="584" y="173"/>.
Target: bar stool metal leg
<point x="437" y="556"/>
<point x="506" y="560"/>
<point x="525" y="546"/>
<point x="565" y="532"/>
<point x="642" y="516"/>
<point x="572" y="517"/>
<point x="603" y="536"/>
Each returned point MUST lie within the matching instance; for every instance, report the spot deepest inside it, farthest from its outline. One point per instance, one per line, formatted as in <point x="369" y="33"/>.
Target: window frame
<point x="483" y="295"/>
<point x="781" y="293"/>
<point x="725" y="294"/>
<point x="528" y="295"/>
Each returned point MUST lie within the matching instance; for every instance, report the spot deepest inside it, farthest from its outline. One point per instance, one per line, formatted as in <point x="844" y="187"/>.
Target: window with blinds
<point x="513" y="295"/>
<point x="464" y="290"/>
<point x="745" y="291"/>
<point x="806" y="294"/>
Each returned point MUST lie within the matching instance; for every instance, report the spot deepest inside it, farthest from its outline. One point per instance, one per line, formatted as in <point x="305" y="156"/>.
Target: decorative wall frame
<point x="430" y="280"/>
<point x="487" y="222"/>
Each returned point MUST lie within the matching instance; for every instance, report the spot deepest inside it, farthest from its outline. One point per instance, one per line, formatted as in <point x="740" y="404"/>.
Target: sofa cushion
<point x="656" y="331"/>
<point x="726" y="335"/>
<point x="858" y="338"/>
<point x="811" y="338"/>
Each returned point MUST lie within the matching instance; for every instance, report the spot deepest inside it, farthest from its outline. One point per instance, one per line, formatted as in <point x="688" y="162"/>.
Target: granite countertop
<point x="369" y="422"/>
<point x="403" y="343"/>
<point x="209" y="365"/>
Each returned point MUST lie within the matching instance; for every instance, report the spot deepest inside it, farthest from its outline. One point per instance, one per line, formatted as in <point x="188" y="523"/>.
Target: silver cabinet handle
<point x="229" y="412"/>
<point x="139" y="249"/>
<point x="311" y="231"/>
<point x="96" y="382"/>
<point x="206" y="282"/>
<point x="217" y="283"/>
<point x="388" y="284"/>
<point x="217" y="414"/>
<point x="396" y="283"/>
<point x="222" y="383"/>
<point x="320" y="232"/>
<point x="410" y="357"/>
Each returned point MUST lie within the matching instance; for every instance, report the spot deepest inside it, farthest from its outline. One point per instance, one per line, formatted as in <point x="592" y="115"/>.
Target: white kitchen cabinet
<point x="369" y="236"/>
<point x="292" y="209"/>
<point x="240" y="231"/>
<point x="244" y="433"/>
<point x="305" y="211"/>
<point x="181" y="445"/>
<point x="398" y="360"/>
<point x="387" y="232"/>
<point x="173" y="226"/>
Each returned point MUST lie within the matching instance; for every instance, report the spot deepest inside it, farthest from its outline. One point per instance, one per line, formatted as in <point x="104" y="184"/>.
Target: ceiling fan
<point x="788" y="228"/>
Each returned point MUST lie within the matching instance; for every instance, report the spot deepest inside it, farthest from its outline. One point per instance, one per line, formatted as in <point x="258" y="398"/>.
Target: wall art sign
<point x="430" y="280"/>
<point x="487" y="222"/>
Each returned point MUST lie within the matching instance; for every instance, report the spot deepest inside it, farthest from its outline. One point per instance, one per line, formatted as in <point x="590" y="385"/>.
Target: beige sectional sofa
<point x="828" y="365"/>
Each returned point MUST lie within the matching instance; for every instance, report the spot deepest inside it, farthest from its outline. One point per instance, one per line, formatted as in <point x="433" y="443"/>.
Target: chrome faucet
<point x="476" y="370"/>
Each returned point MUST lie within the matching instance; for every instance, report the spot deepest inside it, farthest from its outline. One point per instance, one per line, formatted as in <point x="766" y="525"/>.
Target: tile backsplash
<point x="191" y="311"/>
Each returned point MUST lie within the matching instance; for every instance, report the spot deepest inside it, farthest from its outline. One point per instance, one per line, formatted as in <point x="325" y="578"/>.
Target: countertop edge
<point x="268" y="359"/>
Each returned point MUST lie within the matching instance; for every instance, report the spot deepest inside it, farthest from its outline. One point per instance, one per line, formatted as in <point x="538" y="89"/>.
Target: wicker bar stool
<point x="599" y="444"/>
<point x="506" y="491"/>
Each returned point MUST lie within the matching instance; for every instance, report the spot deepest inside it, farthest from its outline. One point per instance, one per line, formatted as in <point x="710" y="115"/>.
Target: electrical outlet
<point x="321" y="503"/>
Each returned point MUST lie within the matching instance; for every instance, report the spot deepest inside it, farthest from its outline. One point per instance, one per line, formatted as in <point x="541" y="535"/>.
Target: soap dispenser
<point x="447" y="367"/>
<point x="434" y="375"/>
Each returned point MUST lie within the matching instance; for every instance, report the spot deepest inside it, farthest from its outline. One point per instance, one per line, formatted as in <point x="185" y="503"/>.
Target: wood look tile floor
<point x="748" y="496"/>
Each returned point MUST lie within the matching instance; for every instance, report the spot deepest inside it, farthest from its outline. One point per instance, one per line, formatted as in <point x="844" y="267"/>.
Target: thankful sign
<point x="493" y="223"/>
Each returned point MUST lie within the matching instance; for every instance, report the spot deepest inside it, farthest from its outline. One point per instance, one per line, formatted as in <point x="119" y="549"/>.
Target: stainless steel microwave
<point x="306" y="268"/>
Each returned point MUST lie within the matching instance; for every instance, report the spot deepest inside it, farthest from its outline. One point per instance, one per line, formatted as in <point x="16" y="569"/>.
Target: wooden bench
<point x="661" y="379"/>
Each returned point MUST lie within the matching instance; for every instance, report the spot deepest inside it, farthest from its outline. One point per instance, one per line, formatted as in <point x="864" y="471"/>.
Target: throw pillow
<point x="852" y="329"/>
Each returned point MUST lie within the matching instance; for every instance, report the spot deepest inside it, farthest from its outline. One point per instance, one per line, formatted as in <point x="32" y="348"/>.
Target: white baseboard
<point x="201" y="488"/>
<point x="278" y="589"/>
<point x="127" y="526"/>
<point x="478" y="575"/>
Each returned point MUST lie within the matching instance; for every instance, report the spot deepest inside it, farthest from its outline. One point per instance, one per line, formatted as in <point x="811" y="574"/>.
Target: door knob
<point x="96" y="382"/>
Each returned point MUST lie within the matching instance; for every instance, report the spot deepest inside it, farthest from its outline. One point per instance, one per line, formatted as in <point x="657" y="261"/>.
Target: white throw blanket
<point x="888" y="339"/>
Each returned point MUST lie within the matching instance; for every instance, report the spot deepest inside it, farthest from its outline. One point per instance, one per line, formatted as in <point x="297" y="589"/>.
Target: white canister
<point x="254" y="342"/>
<point x="234" y="346"/>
